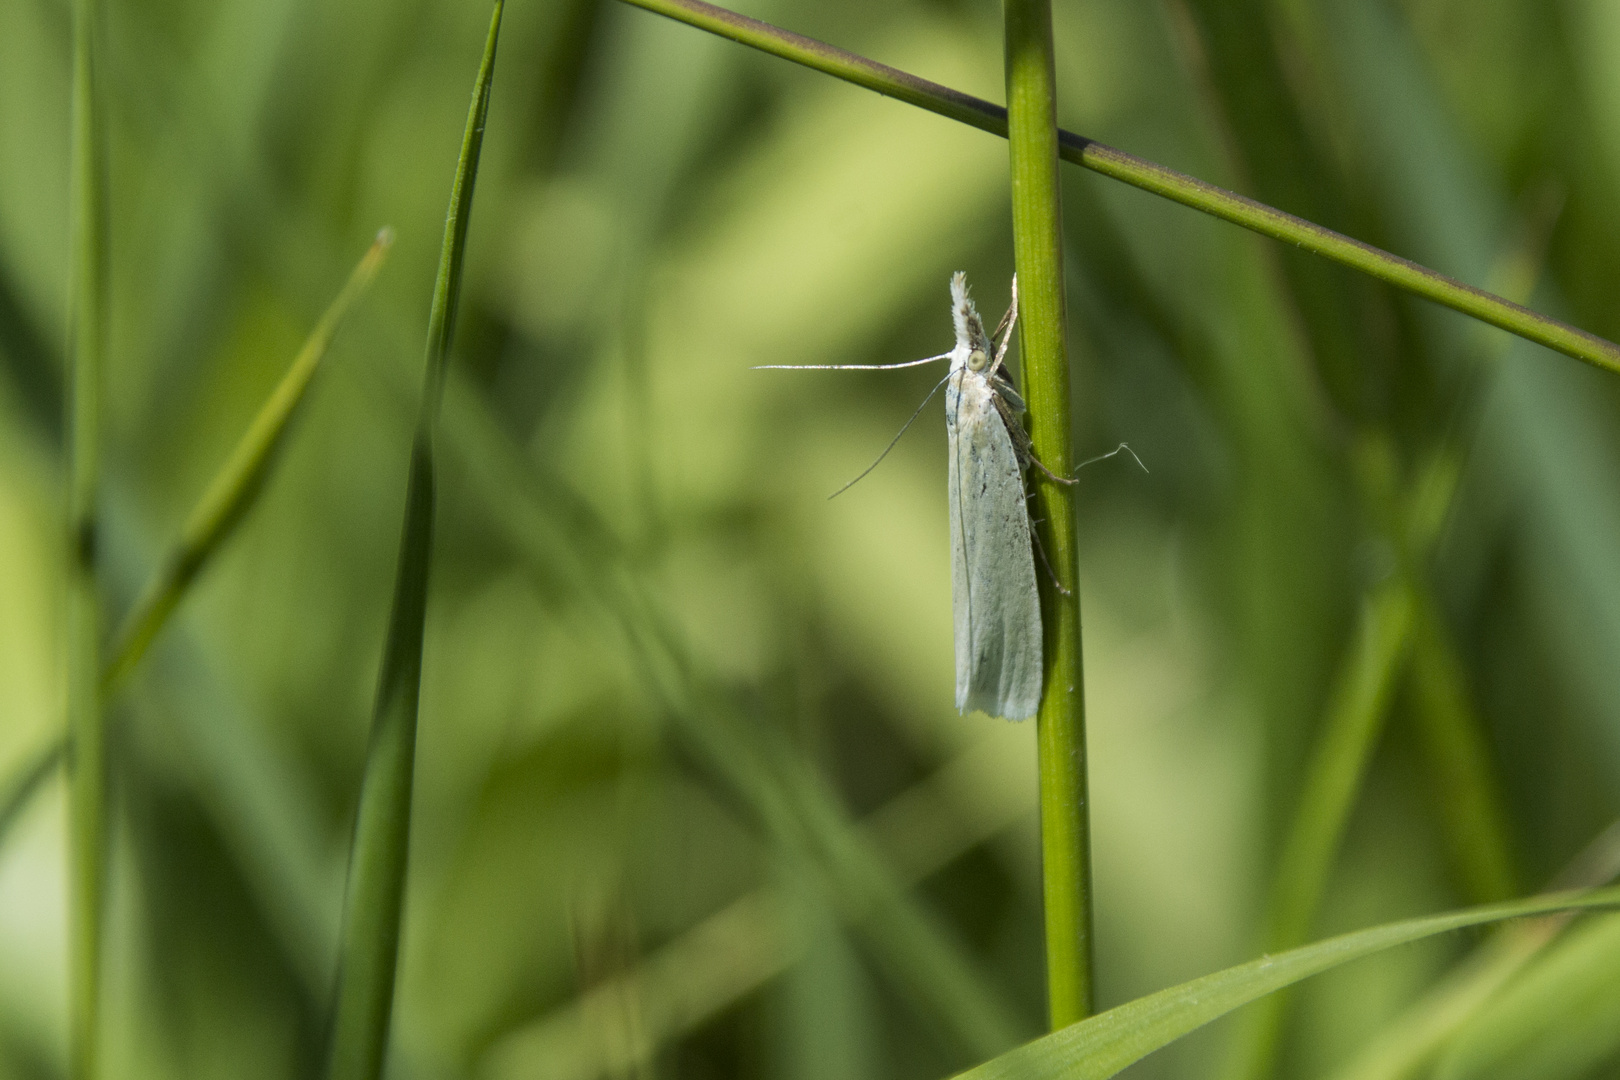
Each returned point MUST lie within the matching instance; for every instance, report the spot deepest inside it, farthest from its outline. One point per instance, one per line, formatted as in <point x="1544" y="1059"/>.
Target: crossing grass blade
<point x="235" y="488"/>
<point x="1103" y="1045"/>
<point x="368" y="946"/>
<point x="1151" y="177"/>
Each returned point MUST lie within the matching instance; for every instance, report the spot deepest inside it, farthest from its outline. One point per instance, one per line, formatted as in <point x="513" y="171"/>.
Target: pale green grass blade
<point x="235" y="488"/>
<point x="1168" y="183"/>
<point x="86" y="730"/>
<point x="1037" y="222"/>
<point x="1103" y="1045"/>
<point x="368" y="946"/>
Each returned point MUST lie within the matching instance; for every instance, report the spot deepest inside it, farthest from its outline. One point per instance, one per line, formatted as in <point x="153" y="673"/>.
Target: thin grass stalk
<point x="1138" y="172"/>
<point x="236" y="486"/>
<point x="1061" y="719"/>
<point x="368" y="946"/>
<point x="87" y="800"/>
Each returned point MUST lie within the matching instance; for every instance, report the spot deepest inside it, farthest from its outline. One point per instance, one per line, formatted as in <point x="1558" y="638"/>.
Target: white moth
<point x="997" y="609"/>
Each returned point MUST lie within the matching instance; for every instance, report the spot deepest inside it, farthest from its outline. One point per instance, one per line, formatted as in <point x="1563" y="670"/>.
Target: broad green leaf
<point x="1101" y="1046"/>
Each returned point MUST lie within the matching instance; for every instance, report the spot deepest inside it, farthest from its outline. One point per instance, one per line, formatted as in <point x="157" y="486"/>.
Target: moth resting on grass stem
<point x="993" y="595"/>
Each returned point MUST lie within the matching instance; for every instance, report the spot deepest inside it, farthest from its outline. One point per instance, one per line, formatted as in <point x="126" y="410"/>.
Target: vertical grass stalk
<point x="87" y="800"/>
<point x="368" y="947"/>
<point x="1032" y="136"/>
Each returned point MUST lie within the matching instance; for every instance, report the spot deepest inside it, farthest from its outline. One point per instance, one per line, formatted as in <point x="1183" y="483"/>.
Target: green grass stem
<point x="86" y="728"/>
<point x="1138" y="172"/>
<point x="1061" y="719"/>
<point x="235" y="487"/>
<point x="368" y="945"/>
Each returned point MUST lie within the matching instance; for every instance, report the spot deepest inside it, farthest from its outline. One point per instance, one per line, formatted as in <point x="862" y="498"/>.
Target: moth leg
<point x="1041" y="551"/>
<point x="1023" y="446"/>
<point x="1050" y="475"/>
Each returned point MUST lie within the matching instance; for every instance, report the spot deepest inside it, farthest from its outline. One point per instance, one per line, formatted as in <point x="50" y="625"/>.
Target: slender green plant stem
<point x="235" y="487"/>
<point x="368" y="947"/>
<point x="1061" y="719"/>
<point x="1138" y="172"/>
<point x="85" y="723"/>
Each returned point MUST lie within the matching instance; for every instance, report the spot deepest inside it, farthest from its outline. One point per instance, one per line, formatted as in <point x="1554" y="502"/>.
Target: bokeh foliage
<point x="664" y="678"/>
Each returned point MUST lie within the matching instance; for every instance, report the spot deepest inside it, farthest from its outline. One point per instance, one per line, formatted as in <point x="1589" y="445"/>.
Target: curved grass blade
<point x="368" y="946"/>
<point x="86" y="726"/>
<point x="236" y="486"/>
<point x="1157" y="179"/>
<point x="1108" y="1042"/>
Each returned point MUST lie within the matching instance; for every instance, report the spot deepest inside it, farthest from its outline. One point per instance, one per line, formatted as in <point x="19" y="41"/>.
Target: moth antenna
<point x="892" y="441"/>
<point x="849" y="367"/>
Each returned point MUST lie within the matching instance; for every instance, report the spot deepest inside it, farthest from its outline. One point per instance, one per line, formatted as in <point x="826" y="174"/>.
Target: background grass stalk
<point x="1139" y="172"/>
<point x="368" y="947"/>
<point x="1060" y="723"/>
<point x="85" y="723"/>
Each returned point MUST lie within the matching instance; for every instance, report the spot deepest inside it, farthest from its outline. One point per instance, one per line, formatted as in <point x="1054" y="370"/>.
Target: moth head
<point x="978" y="359"/>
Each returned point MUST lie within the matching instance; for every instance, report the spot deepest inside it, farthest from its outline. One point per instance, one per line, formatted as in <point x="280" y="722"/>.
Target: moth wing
<point x="997" y="609"/>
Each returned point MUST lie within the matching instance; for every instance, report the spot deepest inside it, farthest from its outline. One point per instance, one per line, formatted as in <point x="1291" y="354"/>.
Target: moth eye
<point x="977" y="359"/>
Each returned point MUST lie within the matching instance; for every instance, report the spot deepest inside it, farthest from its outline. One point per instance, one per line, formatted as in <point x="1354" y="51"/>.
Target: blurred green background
<point x="687" y="735"/>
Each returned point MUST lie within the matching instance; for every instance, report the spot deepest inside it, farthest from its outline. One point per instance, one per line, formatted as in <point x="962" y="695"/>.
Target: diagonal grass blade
<point x="235" y="488"/>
